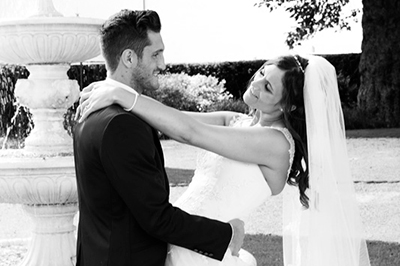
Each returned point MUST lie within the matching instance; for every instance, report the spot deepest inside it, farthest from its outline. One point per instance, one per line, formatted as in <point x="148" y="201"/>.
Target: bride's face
<point x="265" y="91"/>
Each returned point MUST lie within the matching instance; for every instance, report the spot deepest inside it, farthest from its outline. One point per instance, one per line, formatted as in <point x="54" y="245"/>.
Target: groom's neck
<point x="124" y="78"/>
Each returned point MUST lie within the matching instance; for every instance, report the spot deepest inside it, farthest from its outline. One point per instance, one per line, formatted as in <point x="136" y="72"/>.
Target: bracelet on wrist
<point x="133" y="104"/>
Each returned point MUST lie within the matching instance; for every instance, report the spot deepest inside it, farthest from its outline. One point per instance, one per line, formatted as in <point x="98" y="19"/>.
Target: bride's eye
<point x="262" y="71"/>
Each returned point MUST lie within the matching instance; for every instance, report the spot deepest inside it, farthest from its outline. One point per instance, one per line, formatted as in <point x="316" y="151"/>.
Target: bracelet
<point x="134" y="103"/>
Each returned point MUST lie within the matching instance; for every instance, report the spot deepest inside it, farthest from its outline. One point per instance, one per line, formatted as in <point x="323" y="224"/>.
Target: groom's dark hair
<point x="127" y="29"/>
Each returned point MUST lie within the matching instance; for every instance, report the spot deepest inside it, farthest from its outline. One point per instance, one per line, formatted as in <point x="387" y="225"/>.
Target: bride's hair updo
<point x="292" y="103"/>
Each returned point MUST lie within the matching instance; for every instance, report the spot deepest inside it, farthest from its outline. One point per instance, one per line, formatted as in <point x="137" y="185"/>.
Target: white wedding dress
<point x="223" y="189"/>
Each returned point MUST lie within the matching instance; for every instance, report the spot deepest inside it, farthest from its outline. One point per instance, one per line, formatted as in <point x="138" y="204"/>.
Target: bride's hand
<point x="238" y="236"/>
<point x="94" y="97"/>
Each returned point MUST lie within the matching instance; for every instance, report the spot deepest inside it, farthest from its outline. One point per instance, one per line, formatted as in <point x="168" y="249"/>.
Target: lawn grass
<point x="267" y="249"/>
<point x="179" y="177"/>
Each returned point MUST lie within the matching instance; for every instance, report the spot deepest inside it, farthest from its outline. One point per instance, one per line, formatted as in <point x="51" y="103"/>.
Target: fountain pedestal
<point x="53" y="240"/>
<point x="48" y="92"/>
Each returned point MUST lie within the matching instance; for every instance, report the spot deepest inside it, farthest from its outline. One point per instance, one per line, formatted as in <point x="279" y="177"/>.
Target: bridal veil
<point x="330" y="231"/>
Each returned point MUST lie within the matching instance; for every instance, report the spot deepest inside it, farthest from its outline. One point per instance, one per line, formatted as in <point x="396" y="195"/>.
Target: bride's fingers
<point x="77" y="113"/>
<point x="85" y="112"/>
<point x="84" y="96"/>
<point x="92" y="86"/>
<point x="89" y="88"/>
<point x="81" y="111"/>
<point x="86" y="92"/>
<point x="87" y="108"/>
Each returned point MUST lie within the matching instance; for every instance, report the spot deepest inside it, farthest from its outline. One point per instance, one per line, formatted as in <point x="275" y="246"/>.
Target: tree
<point x="379" y="92"/>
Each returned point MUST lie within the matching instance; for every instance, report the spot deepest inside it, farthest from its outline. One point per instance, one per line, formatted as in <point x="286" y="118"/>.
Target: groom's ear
<point x="129" y="58"/>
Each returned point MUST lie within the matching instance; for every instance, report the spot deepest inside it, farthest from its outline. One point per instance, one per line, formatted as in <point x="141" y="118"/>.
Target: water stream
<point x="13" y="121"/>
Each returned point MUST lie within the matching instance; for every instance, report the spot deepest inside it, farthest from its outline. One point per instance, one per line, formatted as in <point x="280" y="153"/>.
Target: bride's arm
<point x="218" y="118"/>
<point x="257" y="145"/>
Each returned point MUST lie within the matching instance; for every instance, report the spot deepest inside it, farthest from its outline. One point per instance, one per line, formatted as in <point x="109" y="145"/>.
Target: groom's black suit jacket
<point x="125" y="216"/>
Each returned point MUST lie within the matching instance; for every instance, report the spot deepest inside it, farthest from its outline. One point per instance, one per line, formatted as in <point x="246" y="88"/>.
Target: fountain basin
<point x="49" y="40"/>
<point x="38" y="180"/>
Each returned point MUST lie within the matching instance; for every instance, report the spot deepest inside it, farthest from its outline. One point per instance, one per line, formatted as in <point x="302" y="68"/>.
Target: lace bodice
<point x="224" y="189"/>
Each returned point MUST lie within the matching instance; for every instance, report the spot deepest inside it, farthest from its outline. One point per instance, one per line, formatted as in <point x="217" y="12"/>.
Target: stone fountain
<point x="41" y="176"/>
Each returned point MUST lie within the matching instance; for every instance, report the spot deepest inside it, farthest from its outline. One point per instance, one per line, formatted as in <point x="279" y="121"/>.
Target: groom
<point x="125" y="215"/>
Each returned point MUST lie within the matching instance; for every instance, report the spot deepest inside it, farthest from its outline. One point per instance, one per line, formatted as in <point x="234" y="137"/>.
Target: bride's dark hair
<point x="294" y="118"/>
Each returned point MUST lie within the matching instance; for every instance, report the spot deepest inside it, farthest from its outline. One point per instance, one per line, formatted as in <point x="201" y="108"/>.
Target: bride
<point x="293" y="141"/>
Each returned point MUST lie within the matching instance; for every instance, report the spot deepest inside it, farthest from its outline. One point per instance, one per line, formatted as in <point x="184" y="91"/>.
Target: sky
<point x="196" y="31"/>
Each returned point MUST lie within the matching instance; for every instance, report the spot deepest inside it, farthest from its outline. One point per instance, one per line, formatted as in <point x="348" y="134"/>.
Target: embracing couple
<point x="292" y="141"/>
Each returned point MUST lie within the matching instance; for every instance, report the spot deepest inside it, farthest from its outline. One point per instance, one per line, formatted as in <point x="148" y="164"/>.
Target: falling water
<point x="17" y="107"/>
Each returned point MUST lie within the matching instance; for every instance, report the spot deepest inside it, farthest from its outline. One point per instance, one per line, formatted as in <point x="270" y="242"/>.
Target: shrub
<point x="348" y="91"/>
<point x="348" y="76"/>
<point x="190" y="93"/>
<point x="355" y="118"/>
<point x="230" y="105"/>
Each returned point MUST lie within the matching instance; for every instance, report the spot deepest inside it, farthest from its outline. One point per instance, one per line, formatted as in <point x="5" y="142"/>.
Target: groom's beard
<point x="145" y="79"/>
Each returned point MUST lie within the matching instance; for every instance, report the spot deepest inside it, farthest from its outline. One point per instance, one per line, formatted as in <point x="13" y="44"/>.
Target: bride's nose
<point x="256" y="84"/>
